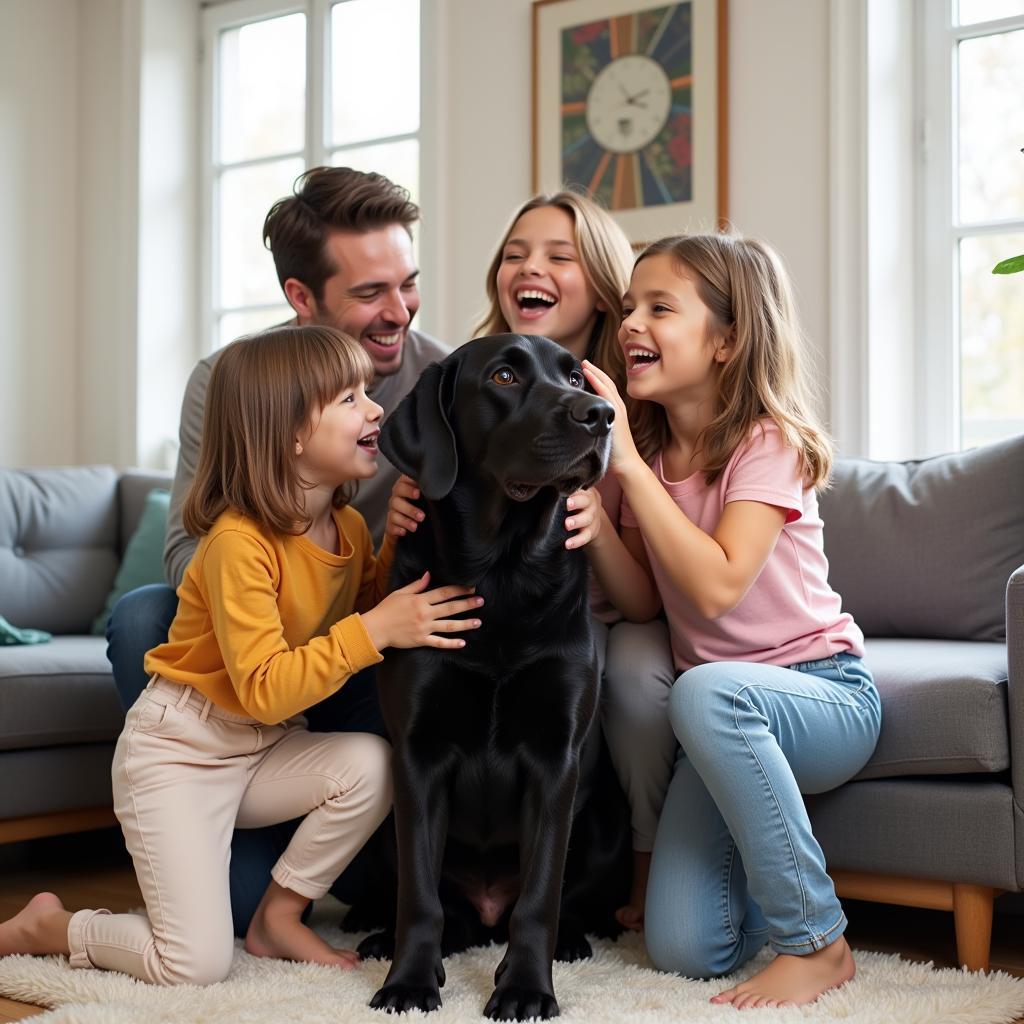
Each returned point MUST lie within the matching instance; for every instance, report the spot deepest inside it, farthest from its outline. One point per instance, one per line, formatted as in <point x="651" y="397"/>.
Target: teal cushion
<point x="143" y="560"/>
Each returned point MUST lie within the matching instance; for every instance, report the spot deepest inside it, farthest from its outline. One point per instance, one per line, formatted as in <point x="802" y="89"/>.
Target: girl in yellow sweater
<point x="281" y="604"/>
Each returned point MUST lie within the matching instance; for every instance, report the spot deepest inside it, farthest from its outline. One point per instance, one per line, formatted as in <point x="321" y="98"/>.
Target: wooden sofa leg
<point x="971" y="906"/>
<point x="15" y="830"/>
<point x="972" y="917"/>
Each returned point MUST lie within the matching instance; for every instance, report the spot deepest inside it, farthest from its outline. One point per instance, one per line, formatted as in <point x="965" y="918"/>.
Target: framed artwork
<point x="629" y="102"/>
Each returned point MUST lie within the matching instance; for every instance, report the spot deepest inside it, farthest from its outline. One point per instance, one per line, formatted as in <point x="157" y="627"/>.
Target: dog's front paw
<point x="571" y="943"/>
<point x="378" y="946"/>
<point x="516" y="1002"/>
<point x="397" y="998"/>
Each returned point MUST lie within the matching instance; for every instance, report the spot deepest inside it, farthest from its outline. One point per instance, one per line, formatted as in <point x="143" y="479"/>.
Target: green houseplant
<point x="1013" y="265"/>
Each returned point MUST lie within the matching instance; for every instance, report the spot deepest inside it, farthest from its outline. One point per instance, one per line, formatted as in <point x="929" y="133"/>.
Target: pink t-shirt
<point x="790" y="613"/>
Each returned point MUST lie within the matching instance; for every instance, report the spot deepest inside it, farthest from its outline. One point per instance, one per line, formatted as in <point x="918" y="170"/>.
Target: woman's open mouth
<point x="533" y="303"/>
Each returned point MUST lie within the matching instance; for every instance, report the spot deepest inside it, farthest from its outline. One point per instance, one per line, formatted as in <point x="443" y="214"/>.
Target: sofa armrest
<point x="132" y="489"/>
<point x="1015" y="678"/>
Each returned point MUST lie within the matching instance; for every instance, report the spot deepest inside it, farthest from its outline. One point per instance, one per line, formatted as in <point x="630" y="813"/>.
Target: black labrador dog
<point x="503" y="787"/>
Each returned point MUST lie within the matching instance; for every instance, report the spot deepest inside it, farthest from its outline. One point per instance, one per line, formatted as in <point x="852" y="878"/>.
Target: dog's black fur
<point x="502" y="782"/>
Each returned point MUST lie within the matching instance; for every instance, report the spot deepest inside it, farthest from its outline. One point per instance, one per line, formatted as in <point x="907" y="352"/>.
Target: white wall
<point x="95" y="241"/>
<point x="778" y="142"/>
<point x="39" y="171"/>
<point x="167" y="319"/>
<point x="108" y="104"/>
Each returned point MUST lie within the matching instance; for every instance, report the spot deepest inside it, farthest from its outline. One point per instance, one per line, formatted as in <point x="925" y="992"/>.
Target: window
<point x="972" y="217"/>
<point x="289" y="86"/>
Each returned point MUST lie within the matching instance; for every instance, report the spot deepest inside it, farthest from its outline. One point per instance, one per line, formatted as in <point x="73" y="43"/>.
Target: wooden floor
<point x="98" y="874"/>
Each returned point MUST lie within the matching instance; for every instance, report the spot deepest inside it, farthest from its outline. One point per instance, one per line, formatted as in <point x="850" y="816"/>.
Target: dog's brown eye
<point x="576" y="379"/>
<point x="503" y="376"/>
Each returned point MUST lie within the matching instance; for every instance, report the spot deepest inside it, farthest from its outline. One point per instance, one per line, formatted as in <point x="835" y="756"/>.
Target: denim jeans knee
<point x="699" y="696"/>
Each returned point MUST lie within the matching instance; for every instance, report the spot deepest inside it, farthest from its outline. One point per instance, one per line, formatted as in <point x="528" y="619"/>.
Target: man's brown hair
<point x="264" y="391"/>
<point x="329" y="199"/>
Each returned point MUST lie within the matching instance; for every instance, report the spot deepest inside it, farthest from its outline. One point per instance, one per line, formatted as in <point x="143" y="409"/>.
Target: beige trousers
<point x="185" y="775"/>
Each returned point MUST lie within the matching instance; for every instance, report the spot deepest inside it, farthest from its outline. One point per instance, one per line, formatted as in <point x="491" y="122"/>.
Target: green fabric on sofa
<point x="11" y="635"/>
<point x="143" y="557"/>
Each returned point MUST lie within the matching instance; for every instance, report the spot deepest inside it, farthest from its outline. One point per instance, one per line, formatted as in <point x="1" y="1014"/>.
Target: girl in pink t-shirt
<point x="720" y="526"/>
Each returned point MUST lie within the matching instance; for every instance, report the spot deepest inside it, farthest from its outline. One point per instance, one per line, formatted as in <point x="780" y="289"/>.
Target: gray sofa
<point x="929" y="558"/>
<point x="62" y="534"/>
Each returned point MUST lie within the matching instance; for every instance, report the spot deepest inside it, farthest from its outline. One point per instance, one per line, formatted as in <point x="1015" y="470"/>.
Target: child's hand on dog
<point x="411" y="617"/>
<point x="403" y="515"/>
<point x="585" y="520"/>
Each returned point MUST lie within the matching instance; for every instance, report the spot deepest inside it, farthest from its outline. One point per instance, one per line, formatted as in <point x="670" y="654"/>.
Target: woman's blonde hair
<point x="606" y="258"/>
<point x="744" y="284"/>
<point x="264" y="391"/>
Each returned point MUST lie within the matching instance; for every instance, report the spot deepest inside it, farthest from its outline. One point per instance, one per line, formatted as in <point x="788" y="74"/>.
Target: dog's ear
<point x="417" y="437"/>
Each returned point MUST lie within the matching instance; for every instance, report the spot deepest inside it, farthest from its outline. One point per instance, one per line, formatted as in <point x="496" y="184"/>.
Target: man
<point x="342" y="248"/>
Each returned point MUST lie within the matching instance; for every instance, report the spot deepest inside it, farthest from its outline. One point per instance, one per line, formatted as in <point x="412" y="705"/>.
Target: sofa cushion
<point x="48" y="780"/>
<point x="133" y="489"/>
<point x="924" y="549"/>
<point x="56" y="693"/>
<point x="948" y="829"/>
<point x="58" y="545"/>
<point x="943" y="707"/>
<point x="143" y="560"/>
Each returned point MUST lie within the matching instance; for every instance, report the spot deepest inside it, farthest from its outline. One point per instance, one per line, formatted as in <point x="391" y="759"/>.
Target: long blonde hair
<point x="263" y="391"/>
<point x="606" y="258"/>
<point x="744" y="284"/>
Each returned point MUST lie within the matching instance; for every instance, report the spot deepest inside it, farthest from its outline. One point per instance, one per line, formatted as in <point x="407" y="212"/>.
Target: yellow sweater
<point x="265" y="624"/>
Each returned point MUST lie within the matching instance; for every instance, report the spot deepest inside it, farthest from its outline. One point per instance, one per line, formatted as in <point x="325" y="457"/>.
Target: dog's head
<point x="511" y="406"/>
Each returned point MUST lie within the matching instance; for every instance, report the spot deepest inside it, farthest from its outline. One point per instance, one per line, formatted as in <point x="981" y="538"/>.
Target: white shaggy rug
<point x="617" y="985"/>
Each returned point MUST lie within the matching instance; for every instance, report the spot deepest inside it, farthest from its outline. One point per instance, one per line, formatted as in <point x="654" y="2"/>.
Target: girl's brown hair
<point x="744" y="284"/>
<point x="606" y="258"/>
<point x="264" y="391"/>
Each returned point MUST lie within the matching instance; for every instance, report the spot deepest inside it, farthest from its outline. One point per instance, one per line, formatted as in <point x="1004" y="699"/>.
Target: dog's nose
<point x="594" y="414"/>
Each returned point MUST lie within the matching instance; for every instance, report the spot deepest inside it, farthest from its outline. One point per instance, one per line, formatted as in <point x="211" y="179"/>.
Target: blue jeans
<point x="140" y="621"/>
<point x="735" y="864"/>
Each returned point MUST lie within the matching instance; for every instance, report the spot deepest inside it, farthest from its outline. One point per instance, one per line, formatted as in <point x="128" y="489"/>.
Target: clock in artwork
<point x="627" y="107"/>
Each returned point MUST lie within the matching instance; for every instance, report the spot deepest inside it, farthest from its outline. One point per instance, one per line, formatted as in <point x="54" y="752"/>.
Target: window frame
<point x="941" y="228"/>
<point x="217" y="18"/>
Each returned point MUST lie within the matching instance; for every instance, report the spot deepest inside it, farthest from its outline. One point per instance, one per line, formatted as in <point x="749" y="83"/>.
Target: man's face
<point x="374" y="295"/>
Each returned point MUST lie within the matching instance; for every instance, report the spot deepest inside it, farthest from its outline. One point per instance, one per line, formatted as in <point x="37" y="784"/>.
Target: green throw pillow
<point x="143" y="560"/>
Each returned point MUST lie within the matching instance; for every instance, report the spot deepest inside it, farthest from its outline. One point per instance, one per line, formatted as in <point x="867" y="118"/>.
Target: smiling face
<point x="340" y="443"/>
<point x="542" y="288"/>
<point x="671" y="353"/>
<point x="373" y="295"/>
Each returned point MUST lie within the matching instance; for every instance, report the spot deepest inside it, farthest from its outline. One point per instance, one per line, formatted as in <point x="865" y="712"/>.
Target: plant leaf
<point x="1014" y="265"/>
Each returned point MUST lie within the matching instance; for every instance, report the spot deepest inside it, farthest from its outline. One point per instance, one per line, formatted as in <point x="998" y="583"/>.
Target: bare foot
<point x="277" y="930"/>
<point x="631" y="916"/>
<point x="39" y="928"/>
<point x="793" y="980"/>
